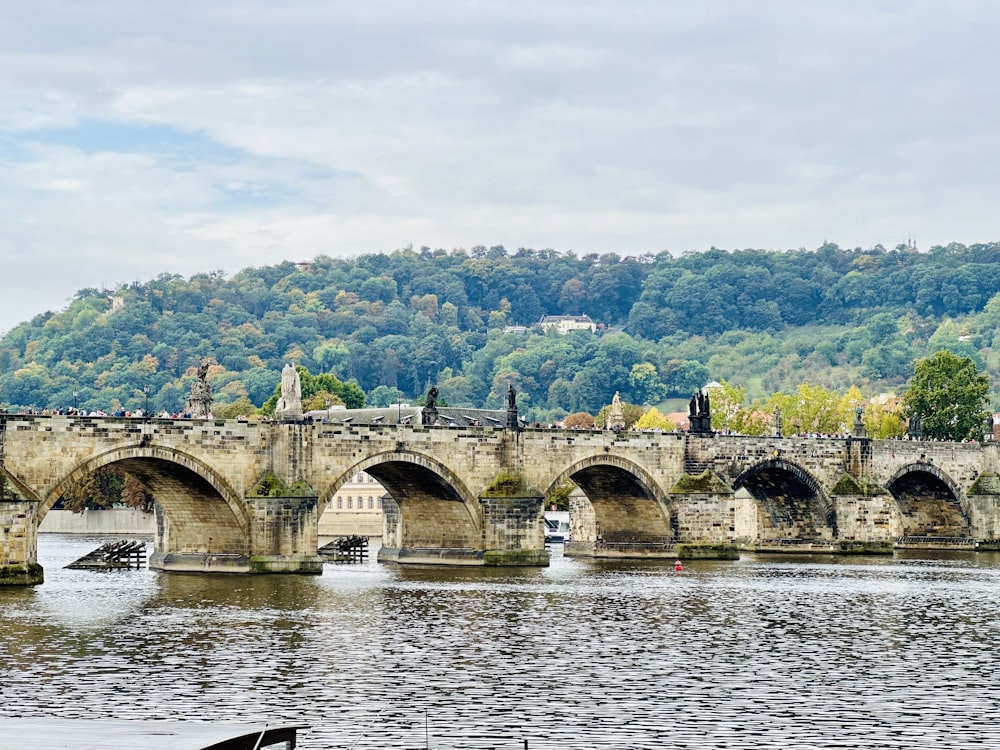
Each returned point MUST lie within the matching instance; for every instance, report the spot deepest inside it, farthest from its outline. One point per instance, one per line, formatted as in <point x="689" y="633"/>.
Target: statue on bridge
<point x="700" y="414"/>
<point x="512" y="422"/>
<point x="289" y="406"/>
<point x="859" y="426"/>
<point x="199" y="403"/>
<point x="429" y="414"/>
<point x="778" y="425"/>
<point x="616" y="415"/>
<point x="914" y="430"/>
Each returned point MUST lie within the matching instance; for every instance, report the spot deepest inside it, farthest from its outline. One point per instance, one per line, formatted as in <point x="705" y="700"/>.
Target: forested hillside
<point x="765" y="320"/>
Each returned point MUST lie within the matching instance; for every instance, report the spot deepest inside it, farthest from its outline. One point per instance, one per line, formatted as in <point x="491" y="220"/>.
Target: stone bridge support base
<point x="282" y="539"/>
<point x="866" y="524"/>
<point x="512" y="536"/>
<point x="19" y="544"/>
<point x="284" y="535"/>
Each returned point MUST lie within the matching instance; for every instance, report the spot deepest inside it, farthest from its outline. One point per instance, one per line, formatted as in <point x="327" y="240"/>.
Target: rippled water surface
<point x="765" y="652"/>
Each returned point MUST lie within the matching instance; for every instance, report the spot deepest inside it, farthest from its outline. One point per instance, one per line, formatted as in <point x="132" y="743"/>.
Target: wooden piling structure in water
<point x="346" y="550"/>
<point x="125" y="554"/>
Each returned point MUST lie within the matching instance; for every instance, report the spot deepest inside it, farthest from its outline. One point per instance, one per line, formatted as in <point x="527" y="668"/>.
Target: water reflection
<point x="764" y="652"/>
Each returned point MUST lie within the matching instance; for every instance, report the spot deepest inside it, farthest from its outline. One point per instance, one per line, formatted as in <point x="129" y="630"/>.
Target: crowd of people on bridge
<point x="70" y="411"/>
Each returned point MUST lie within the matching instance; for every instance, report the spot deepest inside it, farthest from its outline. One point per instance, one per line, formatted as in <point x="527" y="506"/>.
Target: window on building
<point x="340" y="502"/>
<point x="350" y="501"/>
<point x="371" y="503"/>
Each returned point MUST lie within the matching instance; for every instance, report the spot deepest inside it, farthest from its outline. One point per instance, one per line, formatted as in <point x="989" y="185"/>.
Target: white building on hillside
<point x="566" y="323"/>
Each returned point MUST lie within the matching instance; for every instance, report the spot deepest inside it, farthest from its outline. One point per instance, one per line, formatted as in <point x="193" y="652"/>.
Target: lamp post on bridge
<point x="76" y="395"/>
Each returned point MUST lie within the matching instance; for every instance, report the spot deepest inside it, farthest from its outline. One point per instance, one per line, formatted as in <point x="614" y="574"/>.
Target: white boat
<point x="556" y="526"/>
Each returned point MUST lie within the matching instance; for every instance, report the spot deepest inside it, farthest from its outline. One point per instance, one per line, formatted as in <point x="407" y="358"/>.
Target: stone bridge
<point x="237" y="496"/>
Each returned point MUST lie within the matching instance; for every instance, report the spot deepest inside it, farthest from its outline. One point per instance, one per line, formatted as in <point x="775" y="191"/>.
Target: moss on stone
<point x="848" y="485"/>
<point x="515" y="558"/>
<point x="705" y="483"/>
<point x="8" y="490"/>
<point x="509" y="484"/>
<point x="270" y="485"/>
<point x="707" y="552"/>
<point x="985" y="484"/>
<point x="30" y="574"/>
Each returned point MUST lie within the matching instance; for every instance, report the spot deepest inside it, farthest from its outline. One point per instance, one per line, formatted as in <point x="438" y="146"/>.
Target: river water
<point x="764" y="652"/>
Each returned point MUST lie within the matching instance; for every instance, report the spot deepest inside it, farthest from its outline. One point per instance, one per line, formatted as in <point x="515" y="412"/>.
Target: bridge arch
<point x="436" y="508"/>
<point x="793" y="502"/>
<point x="629" y="504"/>
<point x="197" y="510"/>
<point x="929" y="501"/>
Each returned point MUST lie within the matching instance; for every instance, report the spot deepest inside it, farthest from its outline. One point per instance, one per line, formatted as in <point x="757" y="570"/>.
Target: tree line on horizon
<point x="390" y="325"/>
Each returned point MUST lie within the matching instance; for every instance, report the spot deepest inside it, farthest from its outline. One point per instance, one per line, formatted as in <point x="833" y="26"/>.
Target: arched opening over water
<point x="196" y="510"/>
<point x="629" y="506"/>
<point x="930" y="504"/>
<point x="792" y="502"/>
<point x="435" y="509"/>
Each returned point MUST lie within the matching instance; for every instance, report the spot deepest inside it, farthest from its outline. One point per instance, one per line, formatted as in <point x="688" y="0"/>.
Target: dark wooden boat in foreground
<point x="42" y="733"/>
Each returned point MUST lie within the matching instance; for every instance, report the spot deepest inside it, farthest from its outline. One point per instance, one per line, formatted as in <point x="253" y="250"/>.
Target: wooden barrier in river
<point x="121" y="555"/>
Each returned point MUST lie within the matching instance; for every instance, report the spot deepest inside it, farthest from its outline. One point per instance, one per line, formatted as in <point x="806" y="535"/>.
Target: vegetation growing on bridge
<point x="270" y="485"/>
<point x="865" y="486"/>
<point x="985" y="484"/>
<point x="509" y="484"/>
<point x="704" y="484"/>
<point x="8" y="491"/>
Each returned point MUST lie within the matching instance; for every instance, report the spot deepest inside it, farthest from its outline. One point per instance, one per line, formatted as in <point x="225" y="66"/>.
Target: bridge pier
<point x="512" y="536"/>
<point x="282" y="539"/>
<point x="19" y="543"/>
<point x="284" y="535"/>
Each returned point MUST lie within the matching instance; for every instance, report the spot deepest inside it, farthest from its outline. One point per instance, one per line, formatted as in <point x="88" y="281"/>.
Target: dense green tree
<point x="384" y="396"/>
<point x="948" y="393"/>
<point x="653" y="419"/>
<point x="774" y="320"/>
<point x="349" y="393"/>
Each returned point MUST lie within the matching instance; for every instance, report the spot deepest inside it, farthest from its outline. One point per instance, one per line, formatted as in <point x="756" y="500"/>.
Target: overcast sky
<point x="141" y="137"/>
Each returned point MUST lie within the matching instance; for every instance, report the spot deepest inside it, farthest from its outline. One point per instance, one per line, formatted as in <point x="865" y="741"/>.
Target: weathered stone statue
<point x="616" y="416"/>
<point x="429" y="414"/>
<point x="859" y="426"/>
<point x="915" y="429"/>
<point x="289" y="406"/>
<point x="777" y="422"/>
<point x="700" y="422"/>
<point x="512" y="422"/>
<point x="199" y="403"/>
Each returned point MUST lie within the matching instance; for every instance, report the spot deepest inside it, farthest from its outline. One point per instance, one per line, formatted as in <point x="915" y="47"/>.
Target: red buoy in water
<point x="678" y="567"/>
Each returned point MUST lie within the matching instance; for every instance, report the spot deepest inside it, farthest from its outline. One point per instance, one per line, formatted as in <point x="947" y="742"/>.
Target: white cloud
<point x="139" y="138"/>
